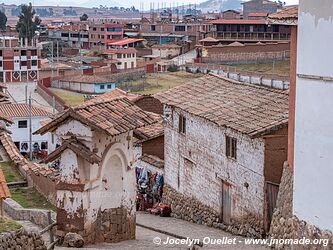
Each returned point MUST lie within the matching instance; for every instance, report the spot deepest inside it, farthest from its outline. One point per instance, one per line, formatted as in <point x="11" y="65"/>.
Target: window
<point x="34" y="52"/>
<point x="101" y="86"/>
<point x="23" y="63"/>
<point x="118" y="55"/>
<point x="23" y="124"/>
<point x="180" y="28"/>
<point x="102" y="29"/>
<point x="23" y="52"/>
<point x="94" y="28"/>
<point x="33" y="62"/>
<point x="152" y="27"/>
<point x="182" y="124"/>
<point x="109" y="86"/>
<point x="43" y="145"/>
<point x="0" y="63"/>
<point x="231" y="147"/>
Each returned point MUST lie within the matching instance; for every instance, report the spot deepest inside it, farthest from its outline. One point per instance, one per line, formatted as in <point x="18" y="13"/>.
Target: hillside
<point x="217" y="5"/>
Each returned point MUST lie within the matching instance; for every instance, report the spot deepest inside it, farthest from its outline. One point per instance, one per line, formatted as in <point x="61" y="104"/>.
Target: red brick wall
<point x="154" y="147"/>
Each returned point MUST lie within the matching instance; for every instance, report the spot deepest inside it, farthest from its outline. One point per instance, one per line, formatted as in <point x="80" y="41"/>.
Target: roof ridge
<point x="248" y="84"/>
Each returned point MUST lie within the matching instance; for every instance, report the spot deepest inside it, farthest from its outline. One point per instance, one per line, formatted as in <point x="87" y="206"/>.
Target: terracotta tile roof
<point x="151" y="131"/>
<point x="238" y="21"/>
<point x="93" y="79"/>
<point x="258" y="14"/>
<point x="249" y="109"/>
<point x="289" y="14"/>
<point x="77" y="147"/>
<point x="12" y="110"/>
<point x="153" y="160"/>
<point x="4" y="191"/>
<point x="4" y="98"/>
<point x="106" y="113"/>
<point x="15" y="156"/>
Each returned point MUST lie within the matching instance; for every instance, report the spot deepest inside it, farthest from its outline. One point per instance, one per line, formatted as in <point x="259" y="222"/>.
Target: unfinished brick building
<point x="96" y="191"/>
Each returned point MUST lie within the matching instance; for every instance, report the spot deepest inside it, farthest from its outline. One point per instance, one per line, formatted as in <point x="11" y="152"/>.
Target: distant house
<point x="166" y="50"/>
<point x="225" y="144"/>
<point x="125" y="58"/>
<point x="231" y="14"/>
<point x="86" y="83"/>
<point x="18" y="113"/>
<point x="255" y="6"/>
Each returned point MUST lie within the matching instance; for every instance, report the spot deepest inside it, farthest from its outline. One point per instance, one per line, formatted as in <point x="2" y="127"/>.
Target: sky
<point x="126" y="3"/>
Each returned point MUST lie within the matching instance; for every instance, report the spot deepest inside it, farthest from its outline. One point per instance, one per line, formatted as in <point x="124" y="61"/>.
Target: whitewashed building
<point x="225" y="144"/>
<point x="19" y="113"/>
<point x="96" y="191"/>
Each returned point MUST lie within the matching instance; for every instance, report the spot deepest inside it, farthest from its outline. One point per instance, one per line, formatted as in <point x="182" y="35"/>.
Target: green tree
<point x="84" y="17"/>
<point x="28" y="22"/>
<point x="3" y="21"/>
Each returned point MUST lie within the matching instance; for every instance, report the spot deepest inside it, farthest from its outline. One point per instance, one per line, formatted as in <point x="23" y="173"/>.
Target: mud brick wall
<point x="21" y="239"/>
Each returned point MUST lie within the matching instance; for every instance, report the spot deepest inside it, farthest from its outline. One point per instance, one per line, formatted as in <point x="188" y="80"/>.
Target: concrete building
<point x="124" y="58"/>
<point x="18" y="63"/>
<point x="259" y="6"/>
<point x="100" y="34"/>
<point x="225" y="144"/>
<point x="248" y="30"/>
<point x="76" y="35"/>
<point x="97" y="180"/>
<point x="19" y="128"/>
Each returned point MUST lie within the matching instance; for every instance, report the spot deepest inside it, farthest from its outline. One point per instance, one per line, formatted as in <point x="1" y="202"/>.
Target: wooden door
<point x="226" y="202"/>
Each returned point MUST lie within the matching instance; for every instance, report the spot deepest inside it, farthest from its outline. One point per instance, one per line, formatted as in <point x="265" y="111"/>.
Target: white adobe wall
<point x="204" y="143"/>
<point x="313" y="162"/>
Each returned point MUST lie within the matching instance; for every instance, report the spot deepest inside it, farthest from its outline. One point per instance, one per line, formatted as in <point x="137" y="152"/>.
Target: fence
<point x="269" y="80"/>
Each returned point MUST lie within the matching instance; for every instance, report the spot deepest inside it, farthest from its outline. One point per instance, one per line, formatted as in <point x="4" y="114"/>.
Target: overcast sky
<point x="126" y="3"/>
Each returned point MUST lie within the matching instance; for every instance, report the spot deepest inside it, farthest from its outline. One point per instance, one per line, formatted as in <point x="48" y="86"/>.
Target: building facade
<point x="257" y="6"/>
<point x="18" y="63"/>
<point x="215" y="164"/>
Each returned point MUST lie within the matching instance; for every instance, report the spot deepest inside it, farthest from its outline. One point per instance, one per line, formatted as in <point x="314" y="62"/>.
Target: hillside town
<point x="167" y="126"/>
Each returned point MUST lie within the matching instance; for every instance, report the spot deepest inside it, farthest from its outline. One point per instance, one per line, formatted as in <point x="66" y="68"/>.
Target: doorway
<point x="226" y="202"/>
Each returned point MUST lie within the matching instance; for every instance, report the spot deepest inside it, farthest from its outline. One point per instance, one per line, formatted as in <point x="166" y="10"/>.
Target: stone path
<point x="152" y="229"/>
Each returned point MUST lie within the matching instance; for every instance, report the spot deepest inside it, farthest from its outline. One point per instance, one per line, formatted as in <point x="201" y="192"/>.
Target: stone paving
<point x="17" y="94"/>
<point x="172" y="229"/>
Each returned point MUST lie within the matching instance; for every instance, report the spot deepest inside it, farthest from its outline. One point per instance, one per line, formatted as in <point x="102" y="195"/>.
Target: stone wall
<point x="112" y="225"/>
<point x="190" y="209"/>
<point x="21" y="239"/>
<point x="36" y="216"/>
<point x="285" y="225"/>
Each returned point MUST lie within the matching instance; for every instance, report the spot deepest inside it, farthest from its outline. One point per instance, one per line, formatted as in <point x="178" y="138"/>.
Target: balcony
<point x="252" y="36"/>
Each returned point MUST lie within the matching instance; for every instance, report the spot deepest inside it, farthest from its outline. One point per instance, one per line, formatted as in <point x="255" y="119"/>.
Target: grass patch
<point x="280" y="67"/>
<point x="10" y="171"/>
<point x="71" y="98"/>
<point x="159" y="82"/>
<point x="7" y="225"/>
<point x="30" y="198"/>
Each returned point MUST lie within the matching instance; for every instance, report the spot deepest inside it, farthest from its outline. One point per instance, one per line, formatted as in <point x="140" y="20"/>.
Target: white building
<point x="97" y="177"/>
<point x="20" y="128"/>
<point x="313" y="157"/>
<point x="166" y="51"/>
<point x="125" y="58"/>
<point x="225" y="144"/>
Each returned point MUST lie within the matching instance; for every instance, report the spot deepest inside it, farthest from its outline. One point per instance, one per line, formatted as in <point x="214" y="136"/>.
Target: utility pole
<point x="30" y="128"/>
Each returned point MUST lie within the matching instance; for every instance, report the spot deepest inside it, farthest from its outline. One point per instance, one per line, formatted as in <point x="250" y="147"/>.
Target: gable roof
<point x="77" y="147"/>
<point x="151" y="131"/>
<point x="4" y="191"/>
<point x="287" y="16"/>
<point x="249" y="109"/>
<point x="12" y="110"/>
<point x="106" y="113"/>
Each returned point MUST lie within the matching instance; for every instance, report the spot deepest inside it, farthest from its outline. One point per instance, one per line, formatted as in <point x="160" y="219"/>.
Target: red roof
<point x="238" y="21"/>
<point x="125" y="41"/>
<point x="4" y="191"/>
<point x="12" y="110"/>
<point x="258" y="14"/>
